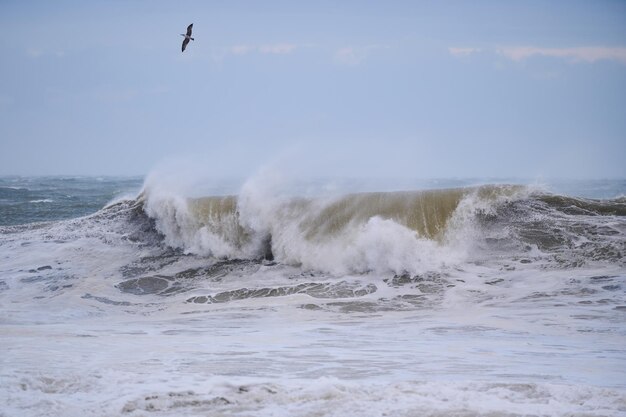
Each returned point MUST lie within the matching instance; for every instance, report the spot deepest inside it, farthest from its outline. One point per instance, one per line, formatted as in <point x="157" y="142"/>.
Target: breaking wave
<point x="395" y="231"/>
<point x="405" y="231"/>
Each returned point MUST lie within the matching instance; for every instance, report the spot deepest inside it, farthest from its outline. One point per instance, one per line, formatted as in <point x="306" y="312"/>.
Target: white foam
<point x="264" y="209"/>
<point x="240" y="364"/>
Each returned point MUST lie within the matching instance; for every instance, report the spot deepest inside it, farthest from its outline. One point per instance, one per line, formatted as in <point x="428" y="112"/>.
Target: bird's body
<point x="187" y="37"/>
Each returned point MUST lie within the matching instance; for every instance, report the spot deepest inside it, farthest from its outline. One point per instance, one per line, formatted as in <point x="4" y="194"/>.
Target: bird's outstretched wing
<point x="189" y="29"/>
<point x="185" y="42"/>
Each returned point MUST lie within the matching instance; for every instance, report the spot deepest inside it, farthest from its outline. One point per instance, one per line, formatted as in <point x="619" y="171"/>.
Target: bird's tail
<point x="192" y="39"/>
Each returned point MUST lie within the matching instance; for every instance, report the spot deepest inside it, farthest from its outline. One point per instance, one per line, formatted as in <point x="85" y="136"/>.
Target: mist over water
<point x="283" y="295"/>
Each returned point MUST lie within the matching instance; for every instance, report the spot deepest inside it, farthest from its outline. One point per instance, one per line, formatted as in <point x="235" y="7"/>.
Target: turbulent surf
<point x="454" y="299"/>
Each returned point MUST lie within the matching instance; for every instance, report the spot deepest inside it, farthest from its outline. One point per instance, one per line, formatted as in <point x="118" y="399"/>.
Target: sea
<point x="274" y="296"/>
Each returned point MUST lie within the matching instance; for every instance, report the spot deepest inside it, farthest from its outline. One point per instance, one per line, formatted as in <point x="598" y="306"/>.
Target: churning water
<point x="446" y="298"/>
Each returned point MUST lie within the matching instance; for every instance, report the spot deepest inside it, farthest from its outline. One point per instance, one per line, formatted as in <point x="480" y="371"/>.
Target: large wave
<point x="402" y="231"/>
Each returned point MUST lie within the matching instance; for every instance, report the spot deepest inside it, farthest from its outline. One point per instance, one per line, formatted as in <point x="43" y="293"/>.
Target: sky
<point x="420" y="89"/>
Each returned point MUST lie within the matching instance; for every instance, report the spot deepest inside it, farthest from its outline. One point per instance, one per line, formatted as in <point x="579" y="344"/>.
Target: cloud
<point x="35" y="53"/>
<point x="240" y="49"/>
<point x="274" y="49"/>
<point x="349" y="56"/>
<point x="461" y="52"/>
<point x="354" y="55"/>
<point x="576" y="54"/>
<point x="279" y="48"/>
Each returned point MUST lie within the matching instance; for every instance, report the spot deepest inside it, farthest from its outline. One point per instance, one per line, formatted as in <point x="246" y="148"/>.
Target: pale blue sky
<point x="354" y="88"/>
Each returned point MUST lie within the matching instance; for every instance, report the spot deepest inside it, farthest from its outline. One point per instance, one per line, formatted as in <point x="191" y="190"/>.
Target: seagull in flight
<point x="187" y="36"/>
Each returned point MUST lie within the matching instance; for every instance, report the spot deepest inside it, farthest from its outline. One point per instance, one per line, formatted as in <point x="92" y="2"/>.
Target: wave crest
<point x="380" y="231"/>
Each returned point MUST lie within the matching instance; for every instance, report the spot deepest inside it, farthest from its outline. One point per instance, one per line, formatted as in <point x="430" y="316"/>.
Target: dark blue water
<point x="36" y="199"/>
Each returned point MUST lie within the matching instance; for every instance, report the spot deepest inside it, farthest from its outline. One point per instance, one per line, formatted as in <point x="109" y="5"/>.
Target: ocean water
<point x="159" y="297"/>
<point x="36" y="199"/>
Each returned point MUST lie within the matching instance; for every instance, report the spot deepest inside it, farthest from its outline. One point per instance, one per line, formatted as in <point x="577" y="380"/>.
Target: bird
<point x="187" y="36"/>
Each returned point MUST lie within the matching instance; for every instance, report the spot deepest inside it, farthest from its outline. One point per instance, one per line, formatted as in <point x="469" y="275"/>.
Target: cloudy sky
<point x="416" y="89"/>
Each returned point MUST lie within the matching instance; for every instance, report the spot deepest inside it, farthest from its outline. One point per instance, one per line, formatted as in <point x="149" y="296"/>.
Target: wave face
<point x="401" y="232"/>
<point x="379" y="231"/>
